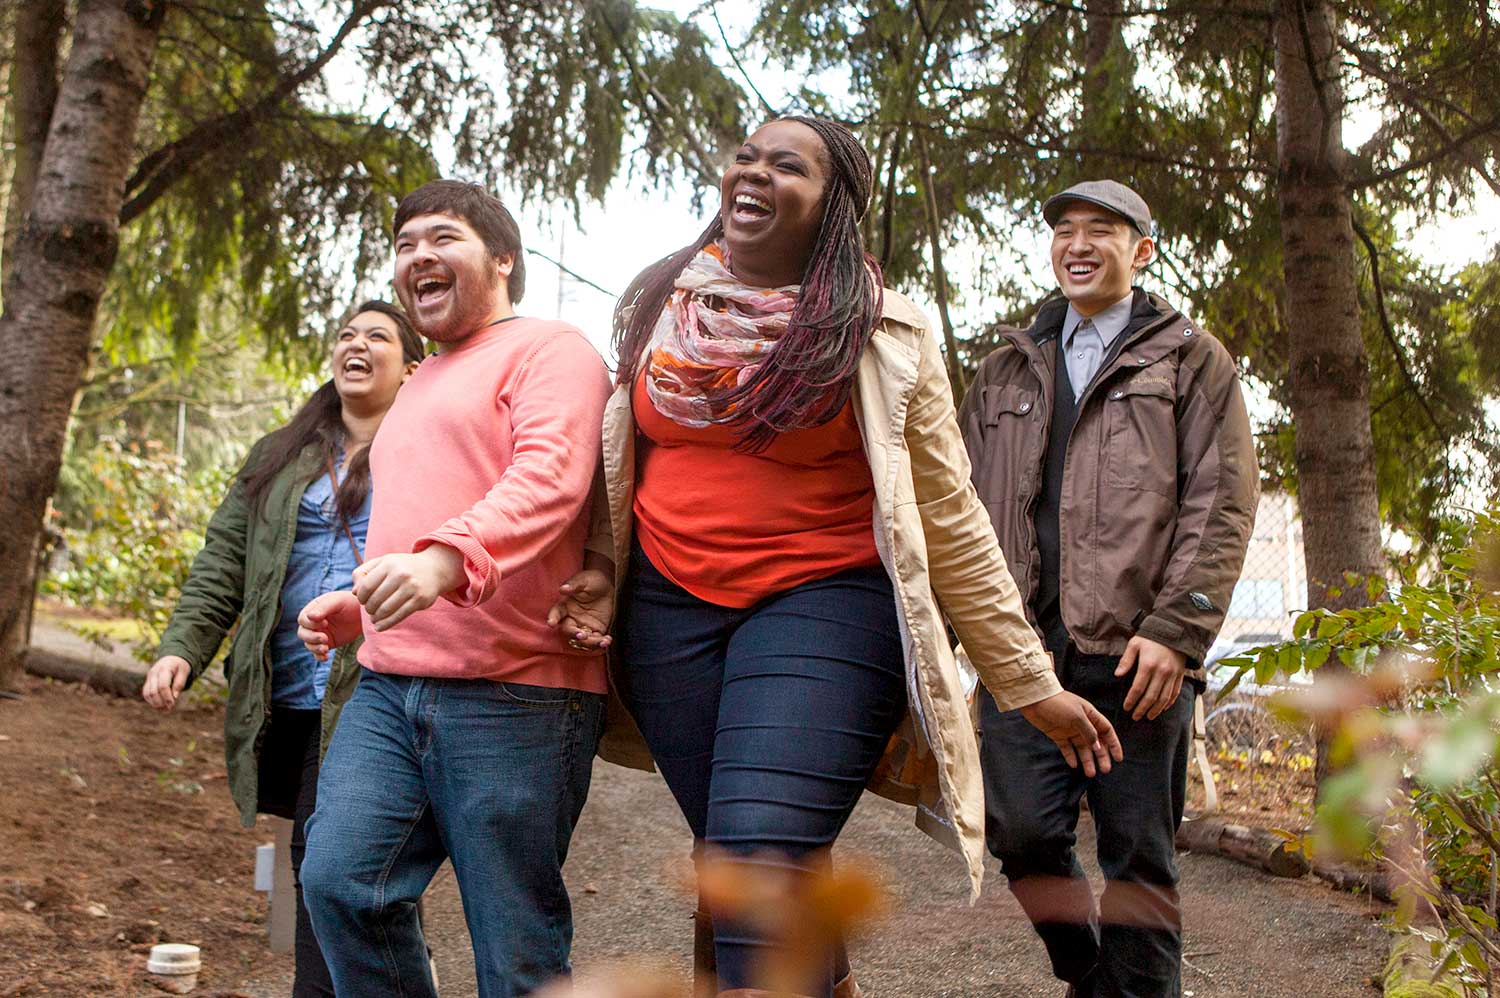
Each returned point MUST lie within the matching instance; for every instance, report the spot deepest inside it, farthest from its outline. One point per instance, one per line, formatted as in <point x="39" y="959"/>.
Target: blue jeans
<point x="1128" y="944"/>
<point x="492" y="775"/>
<point x="766" y="722"/>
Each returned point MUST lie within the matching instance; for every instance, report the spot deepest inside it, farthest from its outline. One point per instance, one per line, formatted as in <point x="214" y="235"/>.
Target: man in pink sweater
<point x="472" y="731"/>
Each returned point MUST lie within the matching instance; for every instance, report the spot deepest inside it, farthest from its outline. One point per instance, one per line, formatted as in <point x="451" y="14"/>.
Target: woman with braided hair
<point x="793" y="522"/>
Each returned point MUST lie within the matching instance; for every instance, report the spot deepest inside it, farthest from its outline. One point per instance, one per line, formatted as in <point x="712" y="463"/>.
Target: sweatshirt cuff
<point x="481" y="575"/>
<point x="1033" y="680"/>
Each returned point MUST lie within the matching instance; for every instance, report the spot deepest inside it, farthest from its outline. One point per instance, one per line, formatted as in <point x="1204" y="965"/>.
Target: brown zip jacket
<point x="1160" y="481"/>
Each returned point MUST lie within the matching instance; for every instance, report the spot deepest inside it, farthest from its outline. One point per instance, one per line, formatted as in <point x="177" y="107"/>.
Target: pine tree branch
<point x="649" y="99"/>
<point x="1410" y="98"/>
<point x="1390" y="334"/>
<point x="1489" y="127"/>
<point x="713" y="11"/>
<point x="159" y="170"/>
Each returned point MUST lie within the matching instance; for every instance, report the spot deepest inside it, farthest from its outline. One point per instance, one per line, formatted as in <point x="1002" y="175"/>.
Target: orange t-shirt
<point x="733" y="528"/>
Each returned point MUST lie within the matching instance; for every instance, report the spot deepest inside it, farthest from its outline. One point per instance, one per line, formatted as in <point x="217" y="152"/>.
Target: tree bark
<point x="1101" y="29"/>
<point x="33" y="92"/>
<point x="1330" y="377"/>
<point x="63" y="255"/>
<point x="1329" y="380"/>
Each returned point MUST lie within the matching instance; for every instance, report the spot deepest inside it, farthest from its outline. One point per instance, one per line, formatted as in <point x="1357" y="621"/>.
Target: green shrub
<point x="1414" y="720"/>
<point x="132" y="523"/>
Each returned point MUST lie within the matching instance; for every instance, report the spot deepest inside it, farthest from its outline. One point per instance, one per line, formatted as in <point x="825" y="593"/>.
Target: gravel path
<point x="1248" y="934"/>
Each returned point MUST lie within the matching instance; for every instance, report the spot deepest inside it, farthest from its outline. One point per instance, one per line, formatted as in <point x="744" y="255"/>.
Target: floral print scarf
<point x="699" y="352"/>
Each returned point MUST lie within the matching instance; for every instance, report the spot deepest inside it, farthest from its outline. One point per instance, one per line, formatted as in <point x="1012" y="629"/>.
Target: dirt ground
<point x="118" y="831"/>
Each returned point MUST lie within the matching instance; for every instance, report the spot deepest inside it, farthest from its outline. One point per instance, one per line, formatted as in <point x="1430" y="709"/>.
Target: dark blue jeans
<point x="492" y="775"/>
<point x="766" y="722"/>
<point x="1129" y="944"/>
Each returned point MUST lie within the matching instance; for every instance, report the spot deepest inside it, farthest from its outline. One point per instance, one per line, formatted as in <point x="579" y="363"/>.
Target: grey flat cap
<point x="1109" y="194"/>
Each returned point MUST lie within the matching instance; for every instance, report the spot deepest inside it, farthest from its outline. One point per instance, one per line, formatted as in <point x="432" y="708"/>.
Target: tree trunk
<point x="33" y="92"/>
<point x="63" y="255"/>
<point x="1101" y="34"/>
<point x="1330" y="377"/>
<point x="1329" y="384"/>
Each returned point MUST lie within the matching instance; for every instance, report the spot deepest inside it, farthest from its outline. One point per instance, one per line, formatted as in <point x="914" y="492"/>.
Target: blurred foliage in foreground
<point x="1414" y="726"/>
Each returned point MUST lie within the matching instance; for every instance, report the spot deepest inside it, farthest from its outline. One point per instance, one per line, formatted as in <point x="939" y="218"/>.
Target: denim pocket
<point x="542" y="697"/>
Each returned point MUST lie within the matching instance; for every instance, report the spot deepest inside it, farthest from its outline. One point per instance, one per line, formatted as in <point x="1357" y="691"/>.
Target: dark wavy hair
<point x="808" y="375"/>
<point x="320" y="422"/>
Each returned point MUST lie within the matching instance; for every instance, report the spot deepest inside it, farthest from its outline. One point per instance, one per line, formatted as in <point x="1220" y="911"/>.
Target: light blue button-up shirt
<point x="321" y="561"/>
<point x="1084" y="349"/>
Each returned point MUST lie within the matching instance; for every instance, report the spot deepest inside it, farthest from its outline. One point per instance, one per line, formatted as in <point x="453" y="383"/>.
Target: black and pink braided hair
<point x="808" y="375"/>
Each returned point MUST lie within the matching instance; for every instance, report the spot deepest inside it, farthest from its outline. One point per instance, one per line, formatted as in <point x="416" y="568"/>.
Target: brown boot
<point x="847" y="988"/>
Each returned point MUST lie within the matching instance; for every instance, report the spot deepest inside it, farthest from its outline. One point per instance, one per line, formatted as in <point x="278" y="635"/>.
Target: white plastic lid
<point x="173" y="958"/>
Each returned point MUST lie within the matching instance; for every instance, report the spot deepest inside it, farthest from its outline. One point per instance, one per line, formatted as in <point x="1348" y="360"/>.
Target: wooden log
<point x="1354" y="879"/>
<point x="104" y="678"/>
<point x="1257" y="847"/>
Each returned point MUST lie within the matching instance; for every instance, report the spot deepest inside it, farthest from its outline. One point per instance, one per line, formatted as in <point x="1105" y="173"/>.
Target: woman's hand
<point x="585" y="609"/>
<point x="328" y="622"/>
<point x="1079" y="731"/>
<point x="165" y="681"/>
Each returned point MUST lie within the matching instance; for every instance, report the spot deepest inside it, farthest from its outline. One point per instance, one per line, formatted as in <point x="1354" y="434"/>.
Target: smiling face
<point x="1095" y="254"/>
<point x="447" y="281"/>
<point x="367" y="362"/>
<point x="771" y="204"/>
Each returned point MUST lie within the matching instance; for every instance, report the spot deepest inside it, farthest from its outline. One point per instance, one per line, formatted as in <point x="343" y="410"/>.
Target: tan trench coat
<point x="939" y="549"/>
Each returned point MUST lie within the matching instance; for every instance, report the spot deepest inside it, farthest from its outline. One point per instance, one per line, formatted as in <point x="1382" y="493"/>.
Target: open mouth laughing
<point x="750" y="207"/>
<point x="431" y="290"/>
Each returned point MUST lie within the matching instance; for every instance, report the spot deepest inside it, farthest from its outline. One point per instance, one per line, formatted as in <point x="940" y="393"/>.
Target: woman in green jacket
<point x="291" y="528"/>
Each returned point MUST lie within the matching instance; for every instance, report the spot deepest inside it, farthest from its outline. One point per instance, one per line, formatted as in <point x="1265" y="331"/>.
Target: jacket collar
<point x="1149" y="313"/>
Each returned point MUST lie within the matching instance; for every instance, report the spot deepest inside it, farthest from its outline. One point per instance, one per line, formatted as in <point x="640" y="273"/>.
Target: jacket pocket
<point x="1141" y="435"/>
<point x="1007" y="400"/>
<point x="1008" y="461"/>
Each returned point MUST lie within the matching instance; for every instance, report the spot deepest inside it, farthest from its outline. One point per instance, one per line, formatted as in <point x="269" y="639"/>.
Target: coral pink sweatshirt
<point x="490" y="448"/>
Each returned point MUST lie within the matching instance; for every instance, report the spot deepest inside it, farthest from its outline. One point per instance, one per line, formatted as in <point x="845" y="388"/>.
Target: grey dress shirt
<point x="1085" y="342"/>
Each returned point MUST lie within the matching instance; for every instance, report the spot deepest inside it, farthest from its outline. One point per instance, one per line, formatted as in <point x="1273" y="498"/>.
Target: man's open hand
<point x="1082" y="734"/>
<point x="1159" y="672"/>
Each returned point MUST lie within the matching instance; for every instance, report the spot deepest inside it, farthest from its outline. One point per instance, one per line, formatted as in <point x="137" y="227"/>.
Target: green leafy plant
<point x="1408" y="692"/>
<point x="132" y="522"/>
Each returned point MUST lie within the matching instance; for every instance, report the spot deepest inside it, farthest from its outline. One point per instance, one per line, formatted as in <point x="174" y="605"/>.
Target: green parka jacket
<point x="238" y="577"/>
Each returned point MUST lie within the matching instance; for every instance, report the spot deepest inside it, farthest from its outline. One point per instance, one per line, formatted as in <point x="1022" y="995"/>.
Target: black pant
<point x="288" y="788"/>
<point x="1129" y="944"/>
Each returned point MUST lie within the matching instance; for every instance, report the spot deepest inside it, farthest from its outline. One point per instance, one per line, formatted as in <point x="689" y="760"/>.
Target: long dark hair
<point x="808" y="375"/>
<point x="320" y="421"/>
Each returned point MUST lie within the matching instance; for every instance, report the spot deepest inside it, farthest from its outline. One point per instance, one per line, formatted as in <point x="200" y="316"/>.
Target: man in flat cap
<point x="1111" y="446"/>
